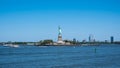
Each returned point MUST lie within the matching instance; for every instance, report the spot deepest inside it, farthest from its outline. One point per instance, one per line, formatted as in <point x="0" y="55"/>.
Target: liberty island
<point x="60" y="41"/>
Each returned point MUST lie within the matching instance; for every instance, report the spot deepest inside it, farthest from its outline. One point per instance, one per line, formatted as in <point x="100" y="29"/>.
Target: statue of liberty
<point x="60" y="31"/>
<point x="60" y="35"/>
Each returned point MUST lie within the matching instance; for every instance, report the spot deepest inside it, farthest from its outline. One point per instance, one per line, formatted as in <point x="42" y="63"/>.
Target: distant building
<point x="112" y="39"/>
<point x="74" y="41"/>
<point x="30" y="43"/>
<point x="106" y="41"/>
<point x="83" y="41"/>
<point x="91" y="39"/>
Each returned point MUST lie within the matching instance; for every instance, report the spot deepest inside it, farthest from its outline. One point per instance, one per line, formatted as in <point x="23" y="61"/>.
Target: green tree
<point x="45" y="42"/>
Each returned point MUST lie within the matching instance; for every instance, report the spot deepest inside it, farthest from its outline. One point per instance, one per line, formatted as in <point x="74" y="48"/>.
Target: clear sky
<point x="34" y="20"/>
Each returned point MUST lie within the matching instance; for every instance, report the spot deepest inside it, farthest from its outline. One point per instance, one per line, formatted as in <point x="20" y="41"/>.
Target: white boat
<point x="14" y="46"/>
<point x="11" y="45"/>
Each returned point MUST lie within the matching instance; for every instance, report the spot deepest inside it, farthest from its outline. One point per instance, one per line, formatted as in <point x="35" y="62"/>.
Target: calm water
<point x="106" y="56"/>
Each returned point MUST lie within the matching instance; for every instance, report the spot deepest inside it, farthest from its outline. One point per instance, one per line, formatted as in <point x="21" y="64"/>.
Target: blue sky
<point x="34" y="20"/>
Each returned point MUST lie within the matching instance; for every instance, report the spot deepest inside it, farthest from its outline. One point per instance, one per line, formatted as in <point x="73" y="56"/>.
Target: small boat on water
<point x="11" y="45"/>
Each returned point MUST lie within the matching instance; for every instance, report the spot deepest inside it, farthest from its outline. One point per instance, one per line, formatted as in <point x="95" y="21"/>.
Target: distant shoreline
<point x="68" y="45"/>
<point x="79" y="45"/>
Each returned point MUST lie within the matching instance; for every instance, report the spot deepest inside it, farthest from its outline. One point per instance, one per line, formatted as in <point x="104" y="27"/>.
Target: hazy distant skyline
<point x="34" y="20"/>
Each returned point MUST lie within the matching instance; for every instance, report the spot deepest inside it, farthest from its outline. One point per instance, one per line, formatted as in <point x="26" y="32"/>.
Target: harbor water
<point x="103" y="56"/>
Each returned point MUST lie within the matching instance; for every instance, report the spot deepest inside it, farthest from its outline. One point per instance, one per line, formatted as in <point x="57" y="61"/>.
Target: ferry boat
<point x="11" y="45"/>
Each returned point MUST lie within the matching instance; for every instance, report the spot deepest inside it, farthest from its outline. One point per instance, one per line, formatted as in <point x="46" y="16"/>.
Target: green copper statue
<point x="60" y="31"/>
